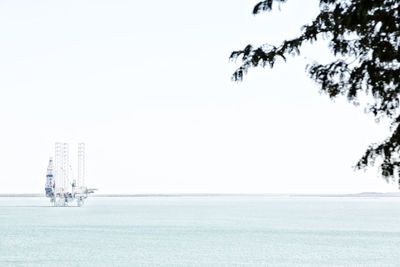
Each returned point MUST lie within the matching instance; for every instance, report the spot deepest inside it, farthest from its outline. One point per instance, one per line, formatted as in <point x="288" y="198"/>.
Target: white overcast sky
<point x="146" y="85"/>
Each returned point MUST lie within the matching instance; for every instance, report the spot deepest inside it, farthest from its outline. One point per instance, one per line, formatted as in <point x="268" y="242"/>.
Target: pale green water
<point x="201" y="231"/>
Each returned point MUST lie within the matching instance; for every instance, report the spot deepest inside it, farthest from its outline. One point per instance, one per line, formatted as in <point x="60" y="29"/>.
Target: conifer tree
<point x="364" y="36"/>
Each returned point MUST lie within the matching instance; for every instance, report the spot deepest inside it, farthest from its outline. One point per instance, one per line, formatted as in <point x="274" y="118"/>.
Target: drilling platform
<point x="59" y="188"/>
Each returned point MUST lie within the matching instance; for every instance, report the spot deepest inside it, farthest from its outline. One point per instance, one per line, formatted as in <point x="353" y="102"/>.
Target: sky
<point x="146" y="85"/>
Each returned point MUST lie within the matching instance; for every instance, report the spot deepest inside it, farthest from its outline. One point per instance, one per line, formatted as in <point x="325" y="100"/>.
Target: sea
<point x="202" y="231"/>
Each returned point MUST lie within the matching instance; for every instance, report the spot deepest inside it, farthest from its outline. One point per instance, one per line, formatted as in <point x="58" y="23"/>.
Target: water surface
<point x="202" y="231"/>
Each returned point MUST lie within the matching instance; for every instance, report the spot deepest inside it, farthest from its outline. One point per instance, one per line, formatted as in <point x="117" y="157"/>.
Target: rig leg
<point x="80" y="202"/>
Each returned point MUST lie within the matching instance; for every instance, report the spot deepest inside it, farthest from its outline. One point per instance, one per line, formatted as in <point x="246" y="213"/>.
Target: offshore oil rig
<point x="58" y="187"/>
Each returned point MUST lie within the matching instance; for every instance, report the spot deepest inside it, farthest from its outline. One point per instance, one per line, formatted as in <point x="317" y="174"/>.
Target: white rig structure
<point x="58" y="187"/>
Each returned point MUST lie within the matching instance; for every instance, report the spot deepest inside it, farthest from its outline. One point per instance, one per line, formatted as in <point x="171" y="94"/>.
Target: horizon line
<point x="366" y="194"/>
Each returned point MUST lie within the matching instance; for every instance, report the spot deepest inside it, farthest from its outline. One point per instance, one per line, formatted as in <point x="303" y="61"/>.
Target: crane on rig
<point x="59" y="187"/>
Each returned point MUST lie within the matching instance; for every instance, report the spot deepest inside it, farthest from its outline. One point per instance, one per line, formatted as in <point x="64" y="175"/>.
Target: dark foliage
<point x="364" y="36"/>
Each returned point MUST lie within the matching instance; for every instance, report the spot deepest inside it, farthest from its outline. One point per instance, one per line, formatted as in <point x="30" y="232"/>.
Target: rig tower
<point x="59" y="174"/>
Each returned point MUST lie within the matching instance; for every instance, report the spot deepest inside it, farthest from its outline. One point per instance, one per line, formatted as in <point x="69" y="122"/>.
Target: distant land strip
<point x="364" y="194"/>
